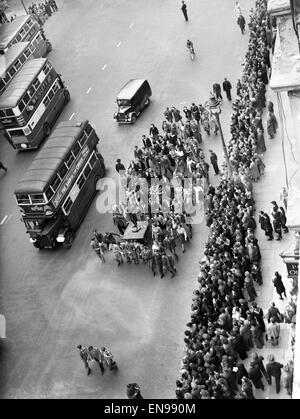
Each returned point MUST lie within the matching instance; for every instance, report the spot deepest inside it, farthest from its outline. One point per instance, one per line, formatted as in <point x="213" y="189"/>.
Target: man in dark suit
<point x="184" y="11"/>
<point x="217" y="91"/>
<point x="227" y="88"/>
<point x="274" y="370"/>
<point x="119" y="166"/>
<point x="214" y="161"/>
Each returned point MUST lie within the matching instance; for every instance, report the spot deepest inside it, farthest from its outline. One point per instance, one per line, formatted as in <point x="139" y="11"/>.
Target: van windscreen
<point x="123" y="102"/>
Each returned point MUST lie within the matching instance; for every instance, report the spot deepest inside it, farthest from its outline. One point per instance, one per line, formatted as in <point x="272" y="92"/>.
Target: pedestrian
<point x="268" y="227"/>
<point x="241" y="22"/>
<point x="196" y="113"/>
<point x="184" y="11"/>
<point x="134" y="391"/>
<point x="120" y="166"/>
<point x="214" y="161"/>
<point x="273" y="331"/>
<point x="274" y="370"/>
<point x="284" y="197"/>
<point x="227" y="88"/>
<point x="255" y="375"/>
<point x="98" y="248"/>
<point x="277" y="224"/>
<point x="109" y="359"/>
<point x="153" y="132"/>
<point x="241" y="372"/>
<point x="272" y="124"/>
<point x="288" y="379"/>
<point x="3" y="167"/>
<point x="249" y="286"/>
<point x="260" y="140"/>
<point x="182" y="236"/>
<point x="217" y="91"/>
<point x="247" y="388"/>
<point x="278" y="284"/>
<point x="283" y="219"/>
<point x="275" y="313"/>
<point x="258" y="360"/>
<point x="85" y="357"/>
<point x="97" y="355"/>
<point x="168" y="115"/>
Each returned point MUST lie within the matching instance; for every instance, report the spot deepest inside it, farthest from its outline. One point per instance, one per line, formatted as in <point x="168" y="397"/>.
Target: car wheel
<point x="47" y="129"/>
<point x="133" y="118"/>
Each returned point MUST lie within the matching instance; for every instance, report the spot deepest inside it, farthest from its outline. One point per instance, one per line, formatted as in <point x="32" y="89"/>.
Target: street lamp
<point x="213" y="105"/>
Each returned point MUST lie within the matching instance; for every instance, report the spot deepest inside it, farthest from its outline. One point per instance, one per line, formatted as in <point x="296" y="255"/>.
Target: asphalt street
<point x="54" y="300"/>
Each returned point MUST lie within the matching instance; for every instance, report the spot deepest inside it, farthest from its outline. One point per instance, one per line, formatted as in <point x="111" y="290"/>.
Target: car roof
<point x="130" y="88"/>
<point x="45" y="165"/>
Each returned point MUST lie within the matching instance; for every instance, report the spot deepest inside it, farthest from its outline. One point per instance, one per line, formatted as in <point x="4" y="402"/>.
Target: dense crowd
<point x="226" y="322"/>
<point x="42" y="11"/>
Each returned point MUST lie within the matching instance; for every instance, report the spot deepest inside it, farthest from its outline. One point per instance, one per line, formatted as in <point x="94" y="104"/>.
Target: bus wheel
<point x="133" y="118"/>
<point x="37" y="245"/>
<point x="69" y="238"/>
<point x="47" y="129"/>
<point x="67" y="95"/>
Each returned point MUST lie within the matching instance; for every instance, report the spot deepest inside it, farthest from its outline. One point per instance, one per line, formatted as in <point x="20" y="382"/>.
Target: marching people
<point x="278" y="284"/>
<point x="241" y="22"/>
<point x="227" y="88"/>
<point x="273" y="331"/>
<point x="97" y="355"/>
<point x="274" y="370"/>
<point x="214" y="161"/>
<point x="85" y="357"/>
<point x="108" y="359"/>
<point x="217" y="91"/>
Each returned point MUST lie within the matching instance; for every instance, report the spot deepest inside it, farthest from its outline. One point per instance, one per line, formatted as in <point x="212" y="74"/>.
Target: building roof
<point x="9" y="30"/>
<point x="45" y="165"/>
<point x="11" y="55"/>
<point x="21" y="82"/>
<point x="129" y="89"/>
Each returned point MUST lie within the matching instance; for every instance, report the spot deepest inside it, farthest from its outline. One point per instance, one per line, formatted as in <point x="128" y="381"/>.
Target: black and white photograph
<point x="149" y="202"/>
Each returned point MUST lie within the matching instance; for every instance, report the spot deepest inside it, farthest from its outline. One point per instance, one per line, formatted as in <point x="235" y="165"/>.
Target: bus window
<point x="26" y="98"/>
<point x="12" y="72"/>
<point x="2" y="114"/>
<point x="63" y="171"/>
<point x="23" y="58"/>
<point x="21" y="106"/>
<point x="37" y="199"/>
<point x="81" y="181"/>
<point x="87" y="171"/>
<point x="55" y="183"/>
<point x="22" y="32"/>
<point x="55" y="87"/>
<point x="27" y="53"/>
<point x="49" y="193"/>
<point x="17" y="65"/>
<point x="2" y="84"/>
<point x="50" y="94"/>
<point x="17" y="133"/>
<point x="46" y="101"/>
<point x="18" y="38"/>
<point x="88" y="129"/>
<point x="93" y="160"/>
<point x="82" y="139"/>
<point x="76" y="149"/>
<point x="7" y="78"/>
<point x="23" y="199"/>
<point x="34" y="225"/>
<point x="70" y="160"/>
<point x="9" y="112"/>
<point x="26" y="27"/>
<point x="32" y="31"/>
<point x="36" y="83"/>
<point x="67" y="206"/>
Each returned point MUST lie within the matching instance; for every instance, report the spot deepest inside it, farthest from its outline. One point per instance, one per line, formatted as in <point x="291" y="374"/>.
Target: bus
<point x="57" y="189"/>
<point x="31" y="104"/>
<point x="13" y="61"/>
<point x="22" y="29"/>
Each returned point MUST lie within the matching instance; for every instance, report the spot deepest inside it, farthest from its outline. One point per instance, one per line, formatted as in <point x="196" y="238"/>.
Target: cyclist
<point x="190" y="46"/>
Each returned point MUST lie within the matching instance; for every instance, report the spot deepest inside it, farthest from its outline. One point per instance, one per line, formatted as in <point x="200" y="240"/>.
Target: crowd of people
<point x="42" y="11"/>
<point x="226" y="323"/>
<point x="102" y="356"/>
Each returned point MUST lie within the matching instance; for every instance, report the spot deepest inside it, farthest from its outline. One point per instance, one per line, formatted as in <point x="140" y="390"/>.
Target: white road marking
<point x="104" y="67"/>
<point x="130" y="26"/>
<point x="119" y="44"/>
<point x="3" y="221"/>
<point x="88" y="90"/>
<point x="72" y="116"/>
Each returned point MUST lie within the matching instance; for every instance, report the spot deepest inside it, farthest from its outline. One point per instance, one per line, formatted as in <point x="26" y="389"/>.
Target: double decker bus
<point x="13" y="61"/>
<point x="31" y="104"/>
<point x="57" y="189"/>
<point x="22" y="29"/>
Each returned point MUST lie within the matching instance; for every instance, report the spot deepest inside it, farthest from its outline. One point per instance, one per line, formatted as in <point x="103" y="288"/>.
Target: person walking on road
<point x="119" y="166"/>
<point x="274" y="370"/>
<point x="97" y="355"/>
<point x="3" y="167"/>
<point x="241" y="22"/>
<point x="273" y="331"/>
<point x="134" y="391"/>
<point x="272" y="124"/>
<point x="98" y="248"/>
<point x="217" y="90"/>
<point x="85" y="357"/>
<point x="214" y="161"/>
<point x="227" y="88"/>
<point x="255" y="375"/>
<point x="278" y="284"/>
<point x="108" y="359"/>
<point x="184" y="11"/>
<point x="274" y="312"/>
<point x="258" y="360"/>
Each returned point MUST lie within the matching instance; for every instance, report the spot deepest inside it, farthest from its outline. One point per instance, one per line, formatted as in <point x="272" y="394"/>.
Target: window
<point x="17" y="133"/>
<point x="87" y="171"/>
<point x="32" y="31"/>
<point x="31" y="91"/>
<point x="26" y="98"/>
<point x="36" y="83"/>
<point x="27" y="53"/>
<point x="55" y="87"/>
<point x="50" y="94"/>
<point x="9" y="112"/>
<point x="23" y="58"/>
<point x="93" y="160"/>
<point x="70" y="160"/>
<point x="7" y="78"/>
<point x="2" y="84"/>
<point x="67" y="205"/>
<point x="22" y="32"/>
<point x="81" y="181"/>
<point x="19" y="38"/>
<point x="49" y="193"/>
<point x="17" y="65"/>
<point x="23" y="199"/>
<point x="82" y="139"/>
<point x="55" y="183"/>
<point x="26" y="27"/>
<point x="37" y="199"/>
<point x="46" y="101"/>
<point x="12" y="72"/>
<point x="76" y="149"/>
<point x="2" y="114"/>
<point x="63" y="171"/>
<point x="21" y="106"/>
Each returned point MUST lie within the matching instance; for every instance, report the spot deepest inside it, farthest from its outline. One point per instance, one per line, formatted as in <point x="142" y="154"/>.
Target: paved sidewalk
<point x="266" y="190"/>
